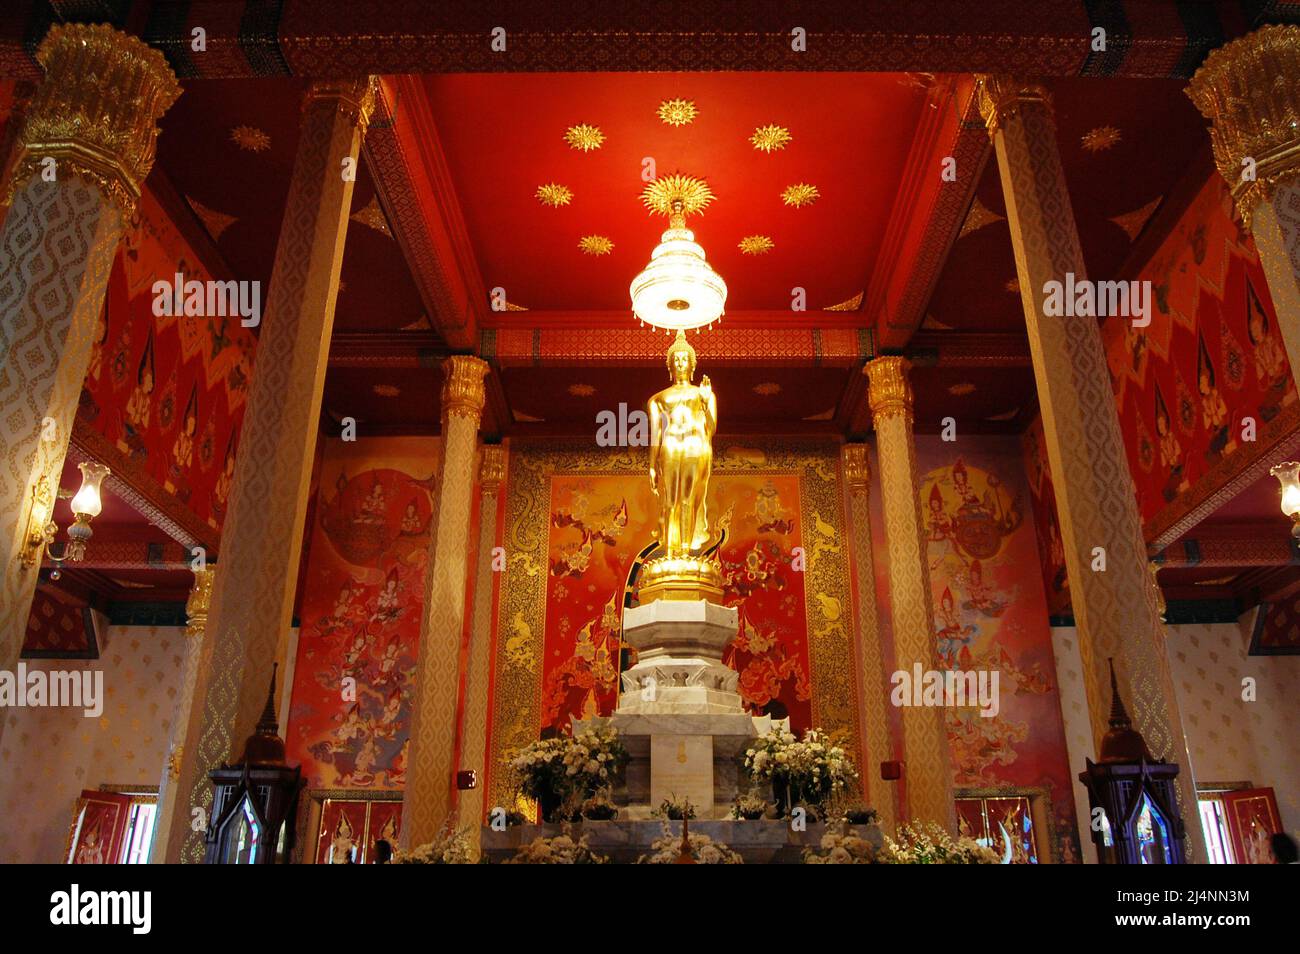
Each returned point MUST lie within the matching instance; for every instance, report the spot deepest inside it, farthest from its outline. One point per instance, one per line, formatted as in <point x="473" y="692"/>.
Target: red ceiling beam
<point x="928" y="211"/>
<point x="1268" y="547"/>
<point x="727" y="345"/>
<point x="131" y="548"/>
<point x="331" y="38"/>
<point x="405" y="158"/>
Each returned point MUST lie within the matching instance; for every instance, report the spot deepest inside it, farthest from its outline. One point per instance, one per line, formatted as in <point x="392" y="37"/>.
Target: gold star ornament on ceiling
<point x="584" y="138"/>
<point x="595" y="245"/>
<point x="677" y="112"/>
<point x="660" y="194"/>
<point x="554" y="195"/>
<point x="250" y="138"/>
<point x="770" y="138"/>
<point x="800" y="194"/>
<point x="755" y="245"/>
<point x="1100" y="139"/>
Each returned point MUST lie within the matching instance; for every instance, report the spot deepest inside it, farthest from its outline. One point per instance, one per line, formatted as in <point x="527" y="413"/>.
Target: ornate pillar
<point x="872" y="681"/>
<point x="478" y="668"/>
<point x="427" y="804"/>
<point x="196" y="611"/>
<point x="86" y="145"/>
<point x="927" y="777"/>
<point x="1114" y="601"/>
<point x="252" y="596"/>
<point x="1249" y="90"/>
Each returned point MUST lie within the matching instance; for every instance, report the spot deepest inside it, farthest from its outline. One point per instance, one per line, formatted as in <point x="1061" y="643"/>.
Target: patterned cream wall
<point x="1230" y="739"/>
<point x="1078" y="728"/>
<point x="47" y="756"/>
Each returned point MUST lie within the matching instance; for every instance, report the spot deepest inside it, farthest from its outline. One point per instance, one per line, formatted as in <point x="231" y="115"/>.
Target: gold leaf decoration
<point x="595" y="245"/>
<point x="372" y="216"/>
<point x="977" y="218"/>
<point x="767" y="388"/>
<point x="1013" y="286"/>
<point x="677" y="112"/>
<point x="250" y="138"/>
<point x="1100" y="139"/>
<point x="770" y="138"/>
<point x="584" y="137"/>
<point x="693" y="193"/>
<point x="1134" y="222"/>
<point x="756" y="244"/>
<point x="581" y="390"/>
<point x="961" y="389"/>
<point x="554" y="194"/>
<point x="215" y="222"/>
<point x="851" y="304"/>
<point x="387" y="390"/>
<point x="800" y="194"/>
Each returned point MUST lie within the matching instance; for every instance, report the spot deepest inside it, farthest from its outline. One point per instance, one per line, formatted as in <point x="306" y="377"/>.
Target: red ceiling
<point x="1160" y="133"/>
<point x="503" y="136"/>
<point x="197" y="152"/>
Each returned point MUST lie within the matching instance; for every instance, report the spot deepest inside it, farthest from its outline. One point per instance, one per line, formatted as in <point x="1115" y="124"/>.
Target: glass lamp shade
<point x="1288" y="475"/>
<point x="88" y="501"/>
<point x="678" y="290"/>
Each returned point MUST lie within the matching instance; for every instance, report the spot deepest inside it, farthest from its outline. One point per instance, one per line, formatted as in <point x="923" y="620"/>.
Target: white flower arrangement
<point x="706" y="851"/>
<point x="925" y="843"/>
<point x="566" y="770"/>
<point x="560" y="850"/>
<point x="452" y="847"/>
<point x="812" y="767"/>
<point x="842" y="849"/>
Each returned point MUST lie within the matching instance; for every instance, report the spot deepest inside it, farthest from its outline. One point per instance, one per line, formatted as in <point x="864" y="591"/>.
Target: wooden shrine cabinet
<point x="1140" y="820"/>
<point x="255" y="801"/>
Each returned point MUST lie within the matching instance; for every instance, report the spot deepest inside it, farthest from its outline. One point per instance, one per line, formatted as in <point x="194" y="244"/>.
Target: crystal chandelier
<point x="678" y="290"/>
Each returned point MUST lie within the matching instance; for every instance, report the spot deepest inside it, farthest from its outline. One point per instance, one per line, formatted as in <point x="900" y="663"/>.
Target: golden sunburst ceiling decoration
<point x="554" y="194"/>
<point x="250" y="138"/>
<point x="584" y="137"/>
<point x="800" y="194"/>
<point x="767" y="388"/>
<point x="770" y="138"/>
<point x="581" y="390"/>
<point x="677" y="112"/>
<point x="756" y="244"/>
<point x="595" y="245"/>
<point x="1099" y="139"/>
<point x="693" y="193"/>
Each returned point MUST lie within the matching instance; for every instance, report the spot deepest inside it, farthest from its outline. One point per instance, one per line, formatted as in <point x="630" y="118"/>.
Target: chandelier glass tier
<point x="678" y="290"/>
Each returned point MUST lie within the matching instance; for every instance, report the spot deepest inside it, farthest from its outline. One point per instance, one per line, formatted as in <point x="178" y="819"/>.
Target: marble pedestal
<point x="679" y="714"/>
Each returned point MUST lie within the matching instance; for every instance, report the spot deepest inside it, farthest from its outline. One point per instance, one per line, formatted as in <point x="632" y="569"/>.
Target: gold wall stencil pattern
<point x="253" y="593"/>
<point x="1116" y="609"/>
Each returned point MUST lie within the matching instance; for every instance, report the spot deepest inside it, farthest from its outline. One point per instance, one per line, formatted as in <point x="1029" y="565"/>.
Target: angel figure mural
<point x="683" y="418"/>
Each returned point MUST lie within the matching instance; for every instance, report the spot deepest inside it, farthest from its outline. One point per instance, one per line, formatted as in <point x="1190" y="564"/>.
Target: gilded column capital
<point x="491" y="469"/>
<point x="200" y="599"/>
<point x="96" y="112"/>
<point x="1249" y="90"/>
<point x="353" y="98"/>
<point x="1000" y="97"/>
<point x="888" y="391"/>
<point x="462" y="388"/>
<point x="857" y="472"/>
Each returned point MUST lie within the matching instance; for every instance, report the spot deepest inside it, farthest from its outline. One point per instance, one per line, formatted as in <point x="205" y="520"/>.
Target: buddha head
<point x="681" y="360"/>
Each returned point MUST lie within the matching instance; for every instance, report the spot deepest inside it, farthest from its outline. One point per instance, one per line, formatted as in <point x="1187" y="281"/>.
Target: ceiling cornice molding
<point x="786" y="346"/>
<point x="599" y="320"/>
<point x="405" y="158"/>
<point x="928" y="212"/>
<point x="1231" y="547"/>
<point x="344" y="38"/>
<point x="973" y="349"/>
<point x="386" y="349"/>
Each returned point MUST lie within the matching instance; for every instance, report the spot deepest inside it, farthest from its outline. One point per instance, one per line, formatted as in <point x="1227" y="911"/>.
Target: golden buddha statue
<point x="683" y="418"/>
